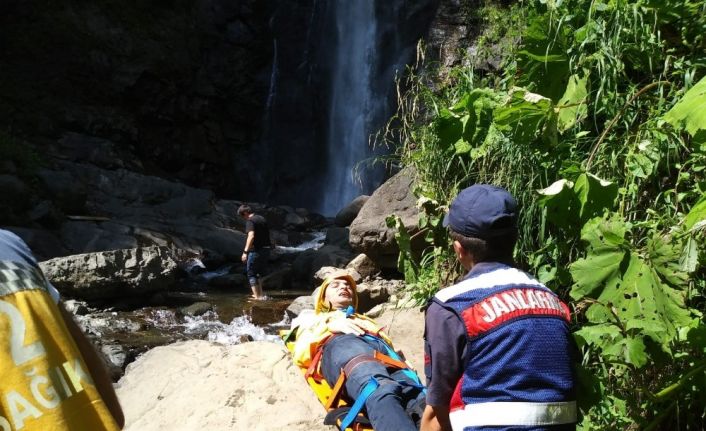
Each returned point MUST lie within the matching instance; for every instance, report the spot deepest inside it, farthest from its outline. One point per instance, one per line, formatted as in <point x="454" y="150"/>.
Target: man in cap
<point x="337" y="339"/>
<point x="498" y="350"/>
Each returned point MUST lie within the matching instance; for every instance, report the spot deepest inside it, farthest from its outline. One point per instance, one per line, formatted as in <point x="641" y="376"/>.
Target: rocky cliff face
<point x="176" y="88"/>
<point x="223" y="95"/>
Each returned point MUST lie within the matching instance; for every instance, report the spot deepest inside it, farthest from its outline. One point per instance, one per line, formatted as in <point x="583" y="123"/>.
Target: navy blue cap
<point x="482" y="211"/>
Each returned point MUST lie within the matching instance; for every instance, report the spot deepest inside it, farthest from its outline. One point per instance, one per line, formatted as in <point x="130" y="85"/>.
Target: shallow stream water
<point x="228" y="316"/>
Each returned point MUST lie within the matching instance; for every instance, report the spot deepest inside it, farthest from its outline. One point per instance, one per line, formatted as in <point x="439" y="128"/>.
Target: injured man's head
<point x="337" y="292"/>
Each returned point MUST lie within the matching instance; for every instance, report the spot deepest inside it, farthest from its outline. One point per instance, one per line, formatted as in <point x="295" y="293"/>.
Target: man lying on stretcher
<point x="339" y="339"/>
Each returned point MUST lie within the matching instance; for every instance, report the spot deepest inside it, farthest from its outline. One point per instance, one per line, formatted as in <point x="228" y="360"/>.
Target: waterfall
<point x="332" y="86"/>
<point x="353" y="104"/>
<point x="273" y="79"/>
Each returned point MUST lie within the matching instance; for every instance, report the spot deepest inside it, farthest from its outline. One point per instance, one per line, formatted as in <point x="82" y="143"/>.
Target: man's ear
<point x="464" y="256"/>
<point x="458" y="249"/>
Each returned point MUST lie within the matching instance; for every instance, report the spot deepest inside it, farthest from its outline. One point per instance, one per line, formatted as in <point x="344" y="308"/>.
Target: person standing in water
<point x="257" y="248"/>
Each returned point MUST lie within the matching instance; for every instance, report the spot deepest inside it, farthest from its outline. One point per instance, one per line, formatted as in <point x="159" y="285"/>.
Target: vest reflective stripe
<point x="513" y="413"/>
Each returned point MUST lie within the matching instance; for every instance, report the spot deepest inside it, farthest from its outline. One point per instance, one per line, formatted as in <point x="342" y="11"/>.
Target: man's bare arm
<point x="248" y="245"/>
<point x="435" y="418"/>
<point x="96" y="368"/>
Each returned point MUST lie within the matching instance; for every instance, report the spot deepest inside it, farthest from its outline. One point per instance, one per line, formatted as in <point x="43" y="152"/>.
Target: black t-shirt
<point x="258" y="224"/>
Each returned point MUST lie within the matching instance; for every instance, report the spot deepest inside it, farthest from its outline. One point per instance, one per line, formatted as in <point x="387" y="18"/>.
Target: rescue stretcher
<point x="331" y="398"/>
<point x="341" y="413"/>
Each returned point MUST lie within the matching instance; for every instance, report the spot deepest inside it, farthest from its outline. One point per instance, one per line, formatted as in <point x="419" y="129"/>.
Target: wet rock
<point x="101" y="152"/>
<point x="337" y="236"/>
<point x="295" y="221"/>
<point x="98" y="324"/>
<point x="227" y="281"/>
<point x="192" y="266"/>
<point x="196" y="309"/>
<point x="113" y="274"/>
<point x="346" y="216"/>
<point x="300" y="304"/>
<point x="46" y="214"/>
<point x="78" y="308"/>
<point x="364" y="266"/>
<point x="279" y="279"/>
<point x="115" y="356"/>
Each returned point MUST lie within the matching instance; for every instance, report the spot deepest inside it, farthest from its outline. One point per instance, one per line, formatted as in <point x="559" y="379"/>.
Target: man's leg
<point x="253" y="267"/>
<point x="385" y="405"/>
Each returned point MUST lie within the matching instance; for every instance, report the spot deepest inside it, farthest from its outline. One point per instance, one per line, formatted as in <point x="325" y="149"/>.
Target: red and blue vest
<point x="519" y="354"/>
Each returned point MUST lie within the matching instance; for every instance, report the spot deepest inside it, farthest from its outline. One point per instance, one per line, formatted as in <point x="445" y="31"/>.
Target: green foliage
<point x="690" y="112"/>
<point x="595" y="123"/>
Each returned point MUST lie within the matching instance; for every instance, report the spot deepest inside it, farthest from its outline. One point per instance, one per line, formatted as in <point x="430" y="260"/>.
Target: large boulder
<point x="346" y="216"/>
<point x="369" y="233"/>
<point x="308" y="262"/>
<point x="364" y="266"/>
<point x="377" y="291"/>
<point x="112" y="274"/>
<point x="205" y="386"/>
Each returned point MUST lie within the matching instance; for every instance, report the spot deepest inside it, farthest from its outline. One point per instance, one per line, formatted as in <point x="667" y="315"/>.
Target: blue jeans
<point x="255" y="264"/>
<point x="388" y="406"/>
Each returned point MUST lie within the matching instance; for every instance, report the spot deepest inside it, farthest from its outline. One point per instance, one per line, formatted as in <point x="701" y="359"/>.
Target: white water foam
<point x="239" y="329"/>
<point x="315" y="243"/>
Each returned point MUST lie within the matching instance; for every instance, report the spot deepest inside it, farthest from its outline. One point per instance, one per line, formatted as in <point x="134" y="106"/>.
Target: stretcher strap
<point x="394" y="356"/>
<point x="335" y="392"/>
<point x="313" y="366"/>
<point x="369" y="388"/>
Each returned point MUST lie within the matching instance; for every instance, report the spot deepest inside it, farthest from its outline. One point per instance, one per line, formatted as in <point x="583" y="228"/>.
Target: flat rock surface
<point x="199" y="385"/>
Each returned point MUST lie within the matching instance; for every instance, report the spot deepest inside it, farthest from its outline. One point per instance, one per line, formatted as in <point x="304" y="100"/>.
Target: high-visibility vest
<point x="44" y="381"/>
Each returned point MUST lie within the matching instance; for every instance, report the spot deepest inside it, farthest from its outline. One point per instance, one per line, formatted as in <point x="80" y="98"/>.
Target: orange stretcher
<point x="337" y="404"/>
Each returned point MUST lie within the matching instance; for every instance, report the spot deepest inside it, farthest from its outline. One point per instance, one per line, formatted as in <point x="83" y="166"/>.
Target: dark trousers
<point x="255" y="264"/>
<point x="390" y="406"/>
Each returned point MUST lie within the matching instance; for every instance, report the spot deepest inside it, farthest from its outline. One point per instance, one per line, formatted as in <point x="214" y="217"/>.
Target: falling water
<point x="332" y="87"/>
<point x="353" y="104"/>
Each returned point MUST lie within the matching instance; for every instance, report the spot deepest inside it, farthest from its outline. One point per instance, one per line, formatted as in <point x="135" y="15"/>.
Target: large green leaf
<point x="630" y="350"/>
<point x="641" y="300"/>
<point x="595" y="196"/>
<point x="405" y="261"/>
<point x="690" y="112"/>
<point x="665" y="256"/>
<point x="697" y="214"/>
<point x="524" y="115"/>
<point x="606" y="253"/>
<point x="592" y="273"/>
<point x="559" y="201"/>
<point x="572" y="106"/>
<point x="601" y="335"/>
<point x="602" y="233"/>
<point x="448" y="128"/>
